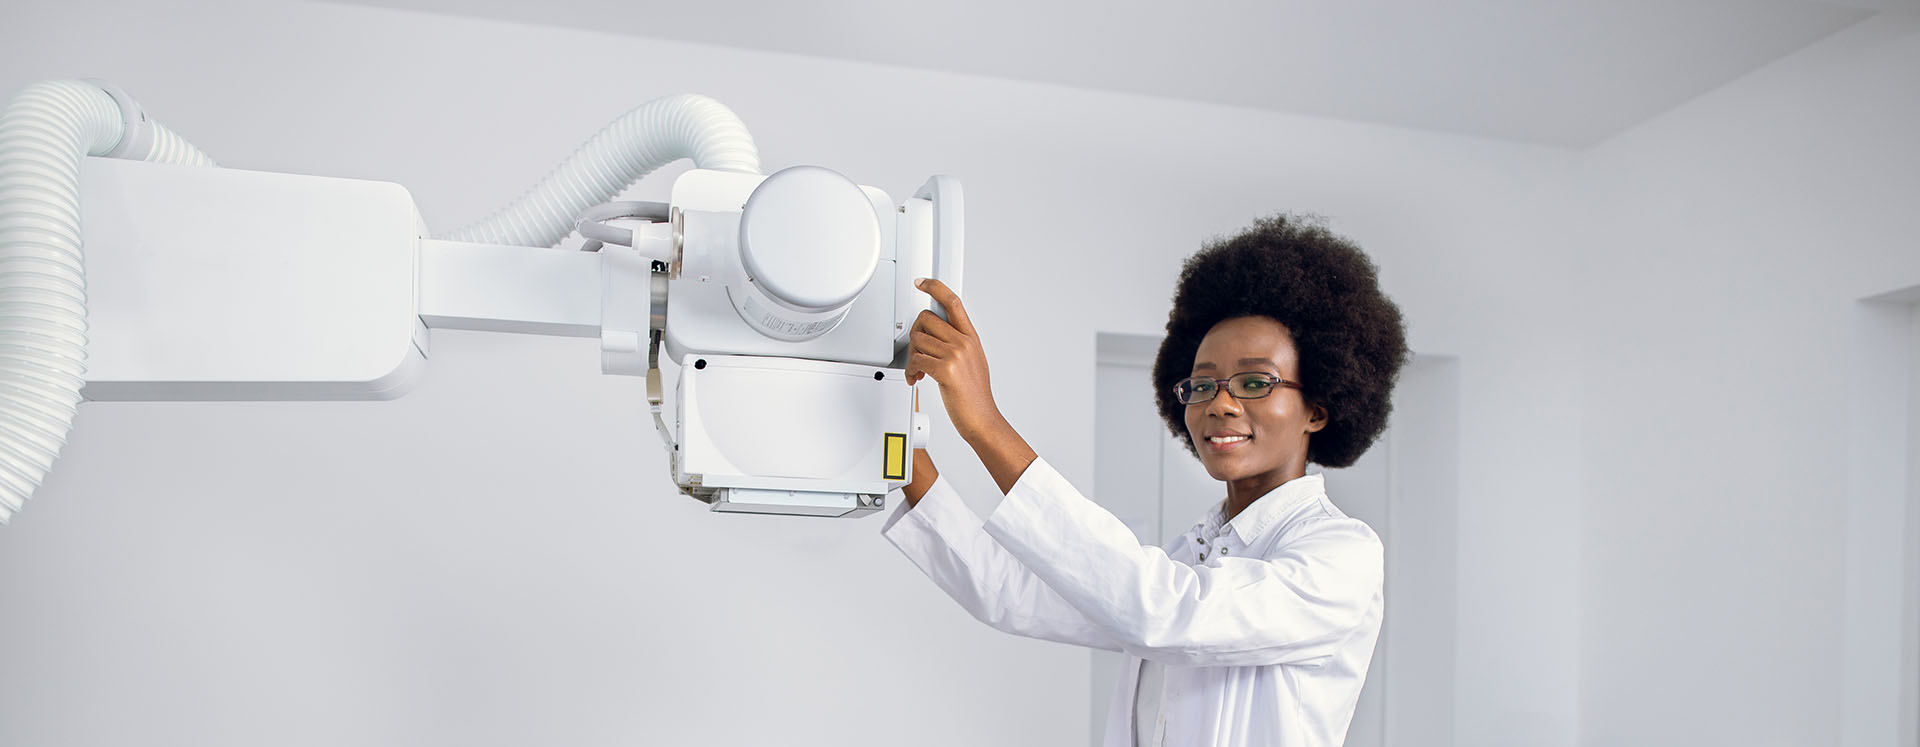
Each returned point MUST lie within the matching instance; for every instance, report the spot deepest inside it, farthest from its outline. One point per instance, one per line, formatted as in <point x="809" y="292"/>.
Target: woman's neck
<point x="1243" y="492"/>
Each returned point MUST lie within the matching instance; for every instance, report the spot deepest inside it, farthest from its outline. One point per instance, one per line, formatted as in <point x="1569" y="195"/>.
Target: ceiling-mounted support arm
<point x="510" y="289"/>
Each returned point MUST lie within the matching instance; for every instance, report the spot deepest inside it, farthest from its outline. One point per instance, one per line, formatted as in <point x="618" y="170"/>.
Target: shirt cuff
<point x="1033" y="500"/>
<point x="941" y="515"/>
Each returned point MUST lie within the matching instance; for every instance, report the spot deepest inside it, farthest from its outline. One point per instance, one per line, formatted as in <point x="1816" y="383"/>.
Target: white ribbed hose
<point x="44" y="132"/>
<point x="652" y="135"/>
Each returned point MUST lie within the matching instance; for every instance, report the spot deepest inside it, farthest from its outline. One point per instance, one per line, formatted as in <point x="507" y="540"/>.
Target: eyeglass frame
<point x="1220" y="384"/>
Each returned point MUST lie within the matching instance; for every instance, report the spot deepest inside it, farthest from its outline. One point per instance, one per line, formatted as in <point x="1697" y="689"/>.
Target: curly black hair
<point x="1349" y="336"/>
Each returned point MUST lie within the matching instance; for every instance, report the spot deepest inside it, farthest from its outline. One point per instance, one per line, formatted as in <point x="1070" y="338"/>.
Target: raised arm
<point x="944" y="538"/>
<point x="1323" y="589"/>
<point x="1305" y="603"/>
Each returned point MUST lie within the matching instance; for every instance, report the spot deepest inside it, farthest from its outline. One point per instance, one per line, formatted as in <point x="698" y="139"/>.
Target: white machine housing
<point x="828" y="439"/>
<point x="224" y="284"/>
<point x="788" y="304"/>
<point x="712" y="290"/>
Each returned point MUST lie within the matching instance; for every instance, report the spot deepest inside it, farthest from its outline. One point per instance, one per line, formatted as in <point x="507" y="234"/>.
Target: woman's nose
<point x="1223" y="403"/>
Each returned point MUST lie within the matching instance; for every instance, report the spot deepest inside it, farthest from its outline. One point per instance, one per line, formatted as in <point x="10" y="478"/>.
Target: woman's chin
<point x="1222" y="470"/>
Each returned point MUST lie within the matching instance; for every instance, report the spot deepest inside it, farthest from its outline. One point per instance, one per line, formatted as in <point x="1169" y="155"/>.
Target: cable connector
<point x="592" y="222"/>
<point x="136" y="131"/>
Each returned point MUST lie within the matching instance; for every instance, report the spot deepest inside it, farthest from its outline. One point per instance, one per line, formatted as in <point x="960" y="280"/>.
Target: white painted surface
<point x="1732" y="242"/>
<point x="1570" y="72"/>
<point x="1876" y="525"/>
<point x="1909" y="702"/>
<point x="1128" y="434"/>
<point x="1362" y="490"/>
<point x="1422" y="623"/>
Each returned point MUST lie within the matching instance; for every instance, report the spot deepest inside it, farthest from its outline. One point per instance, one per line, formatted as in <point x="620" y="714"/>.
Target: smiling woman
<point x="1308" y="302"/>
<point x="1258" y="625"/>
<point x="1349" y="338"/>
<point x="1253" y="442"/>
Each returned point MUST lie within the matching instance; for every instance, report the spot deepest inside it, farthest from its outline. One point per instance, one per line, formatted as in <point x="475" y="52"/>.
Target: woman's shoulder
<point x="1320" y="521"/>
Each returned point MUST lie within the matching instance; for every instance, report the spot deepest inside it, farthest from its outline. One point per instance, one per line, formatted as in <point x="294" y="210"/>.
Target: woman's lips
<point x="1235" y="442"/>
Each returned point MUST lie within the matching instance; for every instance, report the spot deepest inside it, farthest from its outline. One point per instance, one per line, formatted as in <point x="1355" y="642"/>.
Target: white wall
<point x="497" y="558"/>
<point x="1734" y="238"/>
<point x="1908" y="694"/>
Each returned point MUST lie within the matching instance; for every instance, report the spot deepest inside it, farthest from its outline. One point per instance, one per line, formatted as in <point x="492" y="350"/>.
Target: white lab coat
<point x="1266" y="624"/>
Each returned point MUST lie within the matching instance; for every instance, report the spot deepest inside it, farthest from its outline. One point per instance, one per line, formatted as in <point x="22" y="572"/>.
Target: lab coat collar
<point x="1267" y="509"/>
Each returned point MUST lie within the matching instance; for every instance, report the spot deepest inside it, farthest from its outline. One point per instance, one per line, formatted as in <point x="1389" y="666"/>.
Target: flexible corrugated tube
<point x="44" y="132"/>
<point x="650" y="136"/>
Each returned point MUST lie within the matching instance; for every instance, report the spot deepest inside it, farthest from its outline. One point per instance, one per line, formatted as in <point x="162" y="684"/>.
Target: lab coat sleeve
<point x="1301" y="604"/>
<point x="945" y="539"/>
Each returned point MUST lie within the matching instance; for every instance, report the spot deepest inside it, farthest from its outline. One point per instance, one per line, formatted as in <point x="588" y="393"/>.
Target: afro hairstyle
<point x="1349" y="336"/>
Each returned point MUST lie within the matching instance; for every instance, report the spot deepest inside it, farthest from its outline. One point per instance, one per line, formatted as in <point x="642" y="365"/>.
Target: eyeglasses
<point x="1248" y="385"/>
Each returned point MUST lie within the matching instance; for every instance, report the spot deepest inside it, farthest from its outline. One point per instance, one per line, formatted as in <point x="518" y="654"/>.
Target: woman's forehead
<point x="1246" y="343"/>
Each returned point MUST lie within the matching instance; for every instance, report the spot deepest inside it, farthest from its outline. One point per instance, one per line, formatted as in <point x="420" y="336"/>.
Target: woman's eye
<point x="1256" y="384"/>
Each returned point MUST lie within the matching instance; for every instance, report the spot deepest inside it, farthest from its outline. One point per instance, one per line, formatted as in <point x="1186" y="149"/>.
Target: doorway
<point x="1881" y="700"/>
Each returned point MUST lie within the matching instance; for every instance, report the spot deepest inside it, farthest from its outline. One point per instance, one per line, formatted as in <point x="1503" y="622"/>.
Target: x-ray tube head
<point x="809" y="243"/>
<point x="786" y="317"/>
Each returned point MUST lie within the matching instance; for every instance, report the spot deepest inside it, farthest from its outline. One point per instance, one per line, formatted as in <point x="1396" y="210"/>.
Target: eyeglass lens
<point x="1242" y="386"/>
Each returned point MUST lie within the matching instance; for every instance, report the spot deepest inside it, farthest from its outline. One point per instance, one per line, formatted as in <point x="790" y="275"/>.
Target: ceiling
<point x="1561" y="72"/>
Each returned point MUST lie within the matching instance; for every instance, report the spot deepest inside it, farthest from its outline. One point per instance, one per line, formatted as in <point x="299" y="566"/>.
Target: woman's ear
<point x="1318" y="420"/>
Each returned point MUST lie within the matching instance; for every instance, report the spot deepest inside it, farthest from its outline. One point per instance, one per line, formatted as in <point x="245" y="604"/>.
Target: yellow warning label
<point x="895" y="467"/>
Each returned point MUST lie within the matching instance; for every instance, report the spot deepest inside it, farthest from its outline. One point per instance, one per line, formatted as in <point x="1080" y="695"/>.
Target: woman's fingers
<point x="932" y="324"/>
<point x="923" y="349"/>
<point x="925" y="342"/>
<point x="950" y="352"/>
<point x="920" y="364"/>
<point x="924" y="355"/>
<point x="950" y="300"/>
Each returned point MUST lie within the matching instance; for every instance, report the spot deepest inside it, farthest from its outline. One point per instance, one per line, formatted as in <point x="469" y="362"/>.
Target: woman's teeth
<point x="1228" y="439"/>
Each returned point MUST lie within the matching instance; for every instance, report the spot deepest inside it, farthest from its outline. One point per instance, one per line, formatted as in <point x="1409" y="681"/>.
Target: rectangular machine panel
<point x="223" y="284"/>
<point x="792" y="436"/>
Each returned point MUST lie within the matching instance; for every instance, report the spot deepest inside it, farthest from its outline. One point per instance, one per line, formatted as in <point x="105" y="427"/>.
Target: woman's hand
<point x="951" y="354"/>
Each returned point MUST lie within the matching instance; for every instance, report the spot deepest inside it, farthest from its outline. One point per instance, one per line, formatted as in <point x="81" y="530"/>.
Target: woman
<point x="1256" y="627"/>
